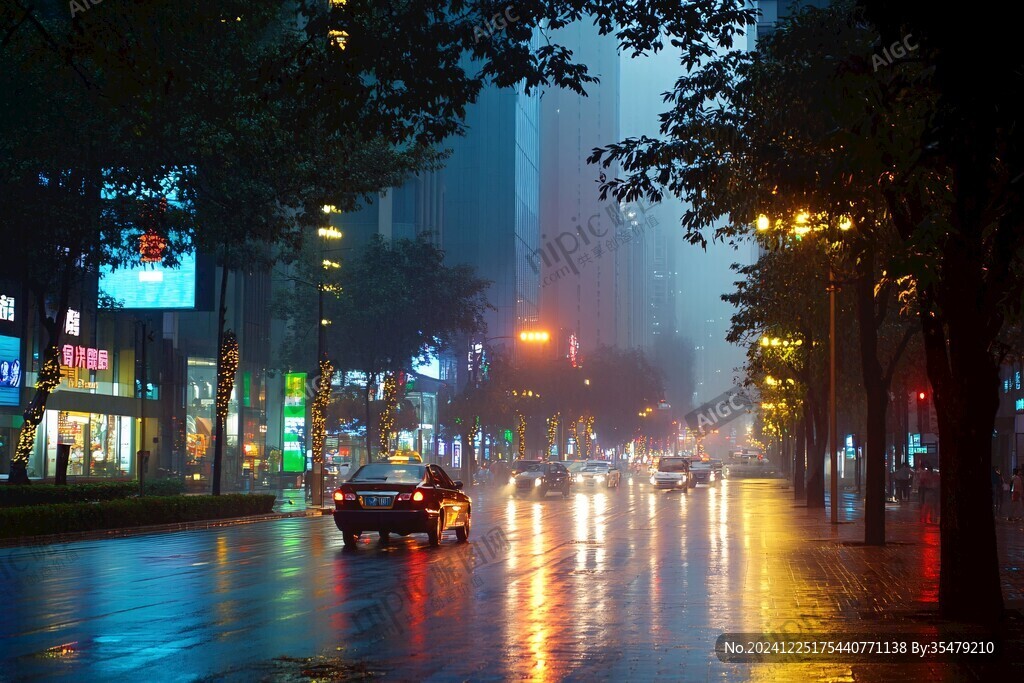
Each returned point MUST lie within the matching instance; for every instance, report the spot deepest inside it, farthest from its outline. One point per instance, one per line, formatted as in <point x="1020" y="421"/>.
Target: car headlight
<point x="576" y="478"/>
<point x="711" y="476"/>
<point x="511" y="481"/>
<point x="599" y="478"/>
<point x="653" y="480"/>
<point x="538" y="481"/>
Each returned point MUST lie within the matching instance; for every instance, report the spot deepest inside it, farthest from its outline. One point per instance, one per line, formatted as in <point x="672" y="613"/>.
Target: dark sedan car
<point x="403" y="499"/>
<point x="541" y="478"/>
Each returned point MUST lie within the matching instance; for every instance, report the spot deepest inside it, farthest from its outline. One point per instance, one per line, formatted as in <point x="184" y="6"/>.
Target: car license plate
<point x="377" y="501"/>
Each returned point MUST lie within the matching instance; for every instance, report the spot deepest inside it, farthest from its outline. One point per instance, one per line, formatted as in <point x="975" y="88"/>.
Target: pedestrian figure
<point x="928" y="486"/>
<point x="920" y="478"/>
<point x="1016" y="488"/>
<point x="998" y="484"/>
<point x="904" y="476"/>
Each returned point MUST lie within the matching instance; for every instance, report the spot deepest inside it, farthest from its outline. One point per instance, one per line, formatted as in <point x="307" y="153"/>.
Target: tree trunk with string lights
<point x="387" y="415"/>
<point x="320" y="402"/>
<point x="227" y="366"/>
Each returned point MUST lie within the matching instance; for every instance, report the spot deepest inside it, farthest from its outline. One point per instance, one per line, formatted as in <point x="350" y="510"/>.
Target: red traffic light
<point x="921" y="396"/>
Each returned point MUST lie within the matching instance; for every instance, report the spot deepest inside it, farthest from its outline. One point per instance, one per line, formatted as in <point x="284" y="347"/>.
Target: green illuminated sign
<point x="294" y="422"/>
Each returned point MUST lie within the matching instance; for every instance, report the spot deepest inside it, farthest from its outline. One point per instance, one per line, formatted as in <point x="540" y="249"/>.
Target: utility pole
<point x="832" y="418"/>
<point x="144" y="383"/>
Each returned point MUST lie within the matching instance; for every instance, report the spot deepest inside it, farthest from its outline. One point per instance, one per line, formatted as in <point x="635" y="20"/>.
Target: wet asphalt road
<point x="633" y="584"/>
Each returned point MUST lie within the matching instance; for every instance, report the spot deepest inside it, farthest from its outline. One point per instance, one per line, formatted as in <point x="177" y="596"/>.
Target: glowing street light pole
<point x="833" y="422"/>
<point x="803" y="227"/>
<point x="326" y="234"/>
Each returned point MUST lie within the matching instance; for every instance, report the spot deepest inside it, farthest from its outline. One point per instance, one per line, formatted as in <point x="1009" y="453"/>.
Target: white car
<point x="598" y="473"/>
<point x="672" y="473"/>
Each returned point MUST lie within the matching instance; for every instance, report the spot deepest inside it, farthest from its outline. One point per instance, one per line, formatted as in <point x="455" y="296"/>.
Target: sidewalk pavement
<point x="291" y="500"/>
<point x="888" y="589"/>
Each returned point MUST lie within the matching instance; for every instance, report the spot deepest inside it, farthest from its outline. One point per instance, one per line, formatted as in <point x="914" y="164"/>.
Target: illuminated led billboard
<point x="294" y="422"/>
<point x="152" y="285"/>
<point x="10" y="370"/>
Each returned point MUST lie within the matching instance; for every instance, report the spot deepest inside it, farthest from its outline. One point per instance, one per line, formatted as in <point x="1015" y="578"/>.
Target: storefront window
<point x="101" y="445"/>
<point x="201" y="400"/>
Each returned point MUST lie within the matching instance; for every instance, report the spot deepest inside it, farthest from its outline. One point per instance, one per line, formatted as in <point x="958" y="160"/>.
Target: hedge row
<point x="48" y="494"/>
<point x="42" y="520"/>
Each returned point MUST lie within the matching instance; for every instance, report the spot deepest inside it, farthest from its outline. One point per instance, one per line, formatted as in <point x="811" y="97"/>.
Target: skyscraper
<point x="491" y="203"/>
<point x="579" y="273"/>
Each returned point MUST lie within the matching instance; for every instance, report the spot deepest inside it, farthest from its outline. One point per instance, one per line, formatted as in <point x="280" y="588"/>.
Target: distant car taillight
<point x="418" y="496"/>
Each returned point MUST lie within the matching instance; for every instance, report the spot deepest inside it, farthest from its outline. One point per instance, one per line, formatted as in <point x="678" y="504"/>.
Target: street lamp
<point x="803" y="223"/>
<point x="326" y="234"/>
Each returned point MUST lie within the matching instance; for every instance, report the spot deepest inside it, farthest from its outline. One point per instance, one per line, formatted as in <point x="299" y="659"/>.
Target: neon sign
<point x="7" y="308"/>
<point x="84" y="357"/>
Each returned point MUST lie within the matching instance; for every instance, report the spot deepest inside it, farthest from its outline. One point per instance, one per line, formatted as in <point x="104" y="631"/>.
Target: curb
<point x="159" y="528"/>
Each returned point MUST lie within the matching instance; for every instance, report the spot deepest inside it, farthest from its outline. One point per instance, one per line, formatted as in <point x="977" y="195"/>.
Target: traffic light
<point x="921" y="396"/>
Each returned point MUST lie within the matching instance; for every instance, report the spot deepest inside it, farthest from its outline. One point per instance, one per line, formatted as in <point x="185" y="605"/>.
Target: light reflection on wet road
<point x="628" y="584"/>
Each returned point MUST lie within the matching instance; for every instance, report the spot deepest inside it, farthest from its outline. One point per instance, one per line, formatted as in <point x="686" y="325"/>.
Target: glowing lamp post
<point x="803" y="223"/>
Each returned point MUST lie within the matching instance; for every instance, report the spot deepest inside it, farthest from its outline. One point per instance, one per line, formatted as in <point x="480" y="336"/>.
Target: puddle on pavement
<point x="298" y="670"/>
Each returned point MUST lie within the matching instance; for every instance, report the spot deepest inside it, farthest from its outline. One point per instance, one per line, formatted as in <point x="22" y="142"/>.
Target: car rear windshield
<point x="673" y="466"/>
<point x="527" y="466"/>
<point x="390" y="473"/>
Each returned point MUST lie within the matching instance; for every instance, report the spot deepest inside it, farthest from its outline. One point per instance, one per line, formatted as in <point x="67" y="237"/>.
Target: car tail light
<point x="338" y="495"/>
<point x="350" y="496"/>
<point x="418" y="496"/>
<point x="404" y="496"/>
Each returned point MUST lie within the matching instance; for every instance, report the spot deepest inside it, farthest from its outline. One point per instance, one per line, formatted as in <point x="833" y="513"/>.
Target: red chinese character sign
<point x="84" y="357"/>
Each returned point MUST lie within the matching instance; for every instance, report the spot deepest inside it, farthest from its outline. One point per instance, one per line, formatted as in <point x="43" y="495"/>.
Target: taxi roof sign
<point x="405" y="456"/>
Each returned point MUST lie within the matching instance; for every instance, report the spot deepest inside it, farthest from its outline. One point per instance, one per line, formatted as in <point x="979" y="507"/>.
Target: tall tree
<point x="905" y="142"/>
<point x="398" y="301"/>
<point x="958" y="205"/>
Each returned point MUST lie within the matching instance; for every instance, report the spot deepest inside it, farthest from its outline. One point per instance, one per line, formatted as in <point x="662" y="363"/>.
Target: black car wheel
<point x="434" y="535"/>
<point x="350" y="538"/>
<point x="462" y="532"/>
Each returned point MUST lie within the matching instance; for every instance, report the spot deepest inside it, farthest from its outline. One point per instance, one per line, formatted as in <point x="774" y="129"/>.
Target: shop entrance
<point x="101" y="445"/>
